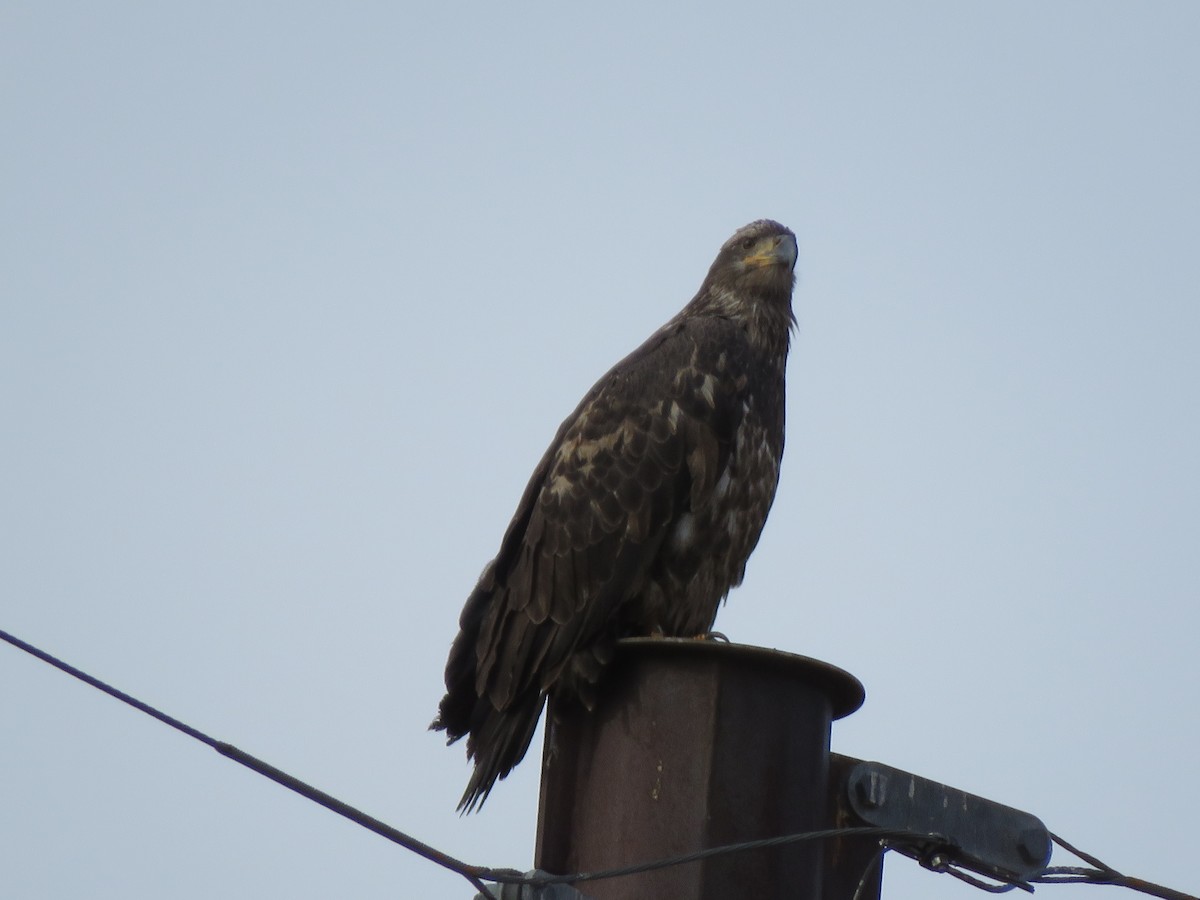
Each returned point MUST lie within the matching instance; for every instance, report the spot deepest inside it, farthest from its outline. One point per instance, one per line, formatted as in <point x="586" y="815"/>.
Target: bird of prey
<point x="640" y="516"/>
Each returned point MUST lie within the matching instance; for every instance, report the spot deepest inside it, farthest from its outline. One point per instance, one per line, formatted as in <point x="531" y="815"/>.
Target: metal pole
<point x="694" y="744"/>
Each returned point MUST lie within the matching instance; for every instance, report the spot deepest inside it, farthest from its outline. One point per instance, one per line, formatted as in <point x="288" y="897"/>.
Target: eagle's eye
<point x="748" y="244"/>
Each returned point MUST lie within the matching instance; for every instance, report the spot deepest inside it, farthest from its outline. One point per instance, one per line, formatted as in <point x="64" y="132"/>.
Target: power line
<point x="469" y="872"/>
<point x="932" y="850"/>
<point x="1102" y="873"/>
<point x="881" y="834"/>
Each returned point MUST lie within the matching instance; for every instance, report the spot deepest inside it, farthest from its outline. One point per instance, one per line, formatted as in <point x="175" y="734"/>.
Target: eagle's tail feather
<point x="497" y="743"/>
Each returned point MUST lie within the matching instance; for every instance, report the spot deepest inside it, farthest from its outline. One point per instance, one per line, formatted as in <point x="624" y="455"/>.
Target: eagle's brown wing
<point x="646" y="445"/>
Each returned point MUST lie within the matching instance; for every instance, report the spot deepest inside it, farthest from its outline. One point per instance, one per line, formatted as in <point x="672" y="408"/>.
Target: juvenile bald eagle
<point x="640" y="516"/>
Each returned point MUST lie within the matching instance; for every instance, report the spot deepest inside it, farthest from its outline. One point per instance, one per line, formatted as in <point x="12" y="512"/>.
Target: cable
<point x="869" y="869"/>
<point x="937" y="861"/>
<point x="1086" y="857"/>
<point x="708" y="853"/>
<point x="469" y="872"/>
<point x="1102" y="873"/>
<point x="934" y="851"/>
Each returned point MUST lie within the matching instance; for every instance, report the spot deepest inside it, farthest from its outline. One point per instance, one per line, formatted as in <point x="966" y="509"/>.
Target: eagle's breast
<point x="705" y="552"/>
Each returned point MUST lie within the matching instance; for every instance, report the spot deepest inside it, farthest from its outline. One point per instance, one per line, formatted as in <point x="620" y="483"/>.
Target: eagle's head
<point x="759" y="257"/>
<point x="751" y="281"/>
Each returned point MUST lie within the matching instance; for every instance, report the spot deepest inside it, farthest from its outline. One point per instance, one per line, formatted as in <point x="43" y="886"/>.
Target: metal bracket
<point x="531" y="891"/>
<point x="986" y="837"/>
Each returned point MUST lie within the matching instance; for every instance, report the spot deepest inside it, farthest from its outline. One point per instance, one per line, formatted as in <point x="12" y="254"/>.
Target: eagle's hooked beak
<point x="776" y="250"/>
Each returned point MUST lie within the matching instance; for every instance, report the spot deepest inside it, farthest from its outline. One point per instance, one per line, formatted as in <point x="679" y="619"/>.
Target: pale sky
<point x="293" y="298"/>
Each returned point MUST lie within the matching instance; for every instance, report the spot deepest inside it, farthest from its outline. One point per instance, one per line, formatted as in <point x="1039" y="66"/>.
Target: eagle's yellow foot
<point x="711" y="636"/>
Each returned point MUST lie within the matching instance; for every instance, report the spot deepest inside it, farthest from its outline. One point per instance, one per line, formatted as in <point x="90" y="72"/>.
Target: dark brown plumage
<point x="640" y="516"/>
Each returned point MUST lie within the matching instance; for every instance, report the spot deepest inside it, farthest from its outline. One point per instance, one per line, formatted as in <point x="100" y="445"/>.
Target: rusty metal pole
<point x="694" y="744"/>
